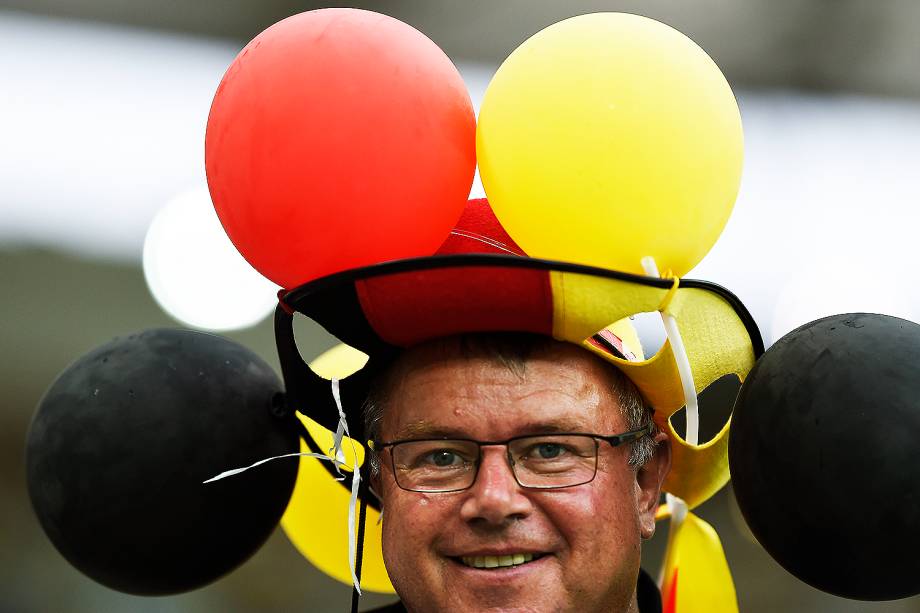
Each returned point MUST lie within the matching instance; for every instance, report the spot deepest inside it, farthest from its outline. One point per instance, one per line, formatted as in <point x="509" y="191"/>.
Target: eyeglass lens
<point x="545" y="461"/>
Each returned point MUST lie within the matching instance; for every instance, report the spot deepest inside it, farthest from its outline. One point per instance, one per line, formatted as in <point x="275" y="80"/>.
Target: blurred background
<point x="103" y="106"/>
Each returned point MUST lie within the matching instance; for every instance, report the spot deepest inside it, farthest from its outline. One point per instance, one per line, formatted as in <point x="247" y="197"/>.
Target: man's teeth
<point x="497" y="561"/>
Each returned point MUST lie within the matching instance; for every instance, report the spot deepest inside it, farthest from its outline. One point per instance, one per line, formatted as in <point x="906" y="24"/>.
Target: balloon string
<point x="485" y="240"/>
<point x="682" y="361"/>
<point x="342" y="428"/>
<point x="236" y="471"/>
<point x="678" y="511"/>
<point x="678" y="506"/>
<point x="337" y="457"/>
<point x="666" y="301"/>
<point x="362" y="520"/>
<point x="355" y="480"/>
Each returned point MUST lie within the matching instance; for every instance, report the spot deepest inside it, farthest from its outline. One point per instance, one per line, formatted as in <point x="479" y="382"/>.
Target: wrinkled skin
<point x="589" y="535"/>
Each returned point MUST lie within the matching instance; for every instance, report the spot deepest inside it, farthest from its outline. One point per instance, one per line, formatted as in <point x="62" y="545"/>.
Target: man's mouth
<point x="505" y="561"/>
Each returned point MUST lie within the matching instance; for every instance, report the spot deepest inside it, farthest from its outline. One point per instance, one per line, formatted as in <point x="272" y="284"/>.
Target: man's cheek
<point x="572" y="506"/>
<point x="429" y="507"/>
<point x="410" y="519"/>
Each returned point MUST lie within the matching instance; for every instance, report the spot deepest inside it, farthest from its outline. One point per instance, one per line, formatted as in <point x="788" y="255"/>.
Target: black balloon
<point x="121" y="442"/>
<point x="824" y="452"/>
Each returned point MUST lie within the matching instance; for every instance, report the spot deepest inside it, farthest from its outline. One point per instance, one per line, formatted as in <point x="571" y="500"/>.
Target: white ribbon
<point x="355" y="480"/>
<point x="682" y="362"/>
<point x="236" y="471"/>
<point x="678" y="506"/>
<point x="337" y="457"/>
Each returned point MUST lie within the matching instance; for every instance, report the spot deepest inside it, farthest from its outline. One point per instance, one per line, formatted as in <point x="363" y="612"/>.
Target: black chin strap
<point x="363" y="493"/>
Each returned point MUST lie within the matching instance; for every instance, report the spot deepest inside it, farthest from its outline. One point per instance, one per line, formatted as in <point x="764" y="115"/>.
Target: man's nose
<point x="495" y="497"/>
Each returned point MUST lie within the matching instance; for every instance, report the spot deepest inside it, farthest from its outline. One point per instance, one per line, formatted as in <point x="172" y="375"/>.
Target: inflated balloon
<point x="695" y="574"/>
<point x="125" y="436"/>
<point x="339" y="138"/>
<point x="609" y="137"/>
<point x="824" y="449"/>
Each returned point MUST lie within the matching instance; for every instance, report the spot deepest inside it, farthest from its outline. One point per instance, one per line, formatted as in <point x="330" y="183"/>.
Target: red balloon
<point x="339" y="138"/>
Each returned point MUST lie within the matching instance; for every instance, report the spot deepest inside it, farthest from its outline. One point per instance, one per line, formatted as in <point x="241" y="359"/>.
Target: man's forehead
<point x="512" y="351"/>
<point x="440" y="389"/>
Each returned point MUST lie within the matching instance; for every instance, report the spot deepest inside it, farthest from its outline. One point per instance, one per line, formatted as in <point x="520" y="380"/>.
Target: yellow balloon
<point x="696" y="575"/>
<point x="609" y="137"/>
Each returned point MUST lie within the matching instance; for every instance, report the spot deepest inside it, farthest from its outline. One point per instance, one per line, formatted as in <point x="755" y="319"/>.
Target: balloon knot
<point x="666" y="301"/>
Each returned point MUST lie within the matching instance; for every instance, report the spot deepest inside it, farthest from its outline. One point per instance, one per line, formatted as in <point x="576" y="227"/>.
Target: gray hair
<point x="512" y="349"/>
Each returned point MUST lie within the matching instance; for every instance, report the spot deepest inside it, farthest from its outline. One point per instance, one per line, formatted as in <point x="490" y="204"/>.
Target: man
<point x="465" y="396"/>
<point x="548" y="523"/>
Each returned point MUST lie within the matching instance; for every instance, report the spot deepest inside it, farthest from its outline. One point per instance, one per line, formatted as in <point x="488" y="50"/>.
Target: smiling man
<point x="516" y="473"/>
<point x="516" y="456"/>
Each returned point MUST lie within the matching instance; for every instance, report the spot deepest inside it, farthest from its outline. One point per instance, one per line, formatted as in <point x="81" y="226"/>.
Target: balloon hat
<point x="340" y="151"/>
<point x="481" y="281"/>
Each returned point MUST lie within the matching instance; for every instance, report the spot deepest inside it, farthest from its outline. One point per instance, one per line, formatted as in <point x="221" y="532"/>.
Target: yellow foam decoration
<point x="697" y="471"/>
<point x="316" y="519"/>
<point x="627" y="333"/>
<point x="658" y="381"/>
<point x="584" y="304"/>
<point x="716" y="342"/>
<point x="703" y="582"/>
<point x="714" y="337"/>
<point x="608" y="137"/>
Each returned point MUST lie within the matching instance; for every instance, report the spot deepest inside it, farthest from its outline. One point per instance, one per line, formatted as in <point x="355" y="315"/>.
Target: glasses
<point x="542" y="461"/>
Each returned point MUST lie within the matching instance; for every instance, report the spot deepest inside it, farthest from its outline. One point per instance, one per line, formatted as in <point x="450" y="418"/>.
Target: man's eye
<point x="548" y="451"/>
<point x="442" y="458"/>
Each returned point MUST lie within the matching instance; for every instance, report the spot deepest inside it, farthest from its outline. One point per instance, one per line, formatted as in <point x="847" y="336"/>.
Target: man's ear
<point x="649" y="479"/>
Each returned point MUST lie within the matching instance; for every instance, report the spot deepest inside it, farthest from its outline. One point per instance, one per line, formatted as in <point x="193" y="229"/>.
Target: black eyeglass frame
<point x="615" y="440"/>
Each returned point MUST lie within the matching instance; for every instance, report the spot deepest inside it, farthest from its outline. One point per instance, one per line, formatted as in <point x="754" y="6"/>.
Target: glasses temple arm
<point x="628" y="437"/>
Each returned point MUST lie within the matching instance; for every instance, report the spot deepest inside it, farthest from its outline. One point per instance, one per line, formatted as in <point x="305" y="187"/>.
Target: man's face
<point x="585" y="539"/>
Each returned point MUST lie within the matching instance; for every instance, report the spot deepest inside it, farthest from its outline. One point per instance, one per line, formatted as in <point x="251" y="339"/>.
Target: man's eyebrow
<point x="562" y="424"/>
<point x="426" y="429"/>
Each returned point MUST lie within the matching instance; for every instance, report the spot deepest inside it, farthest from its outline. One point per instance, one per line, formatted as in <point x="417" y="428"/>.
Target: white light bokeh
<point x="196" y="274"/>
<point x="101" y="125"/>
